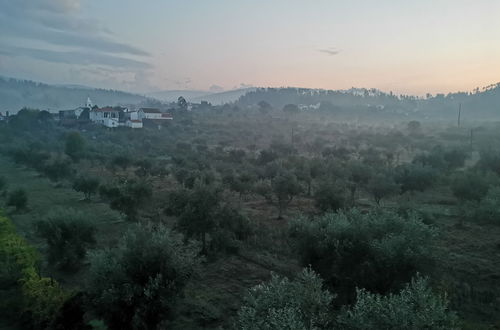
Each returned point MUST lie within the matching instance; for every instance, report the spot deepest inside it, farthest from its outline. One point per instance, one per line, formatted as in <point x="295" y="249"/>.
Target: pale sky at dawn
<point x="410" y="47"/>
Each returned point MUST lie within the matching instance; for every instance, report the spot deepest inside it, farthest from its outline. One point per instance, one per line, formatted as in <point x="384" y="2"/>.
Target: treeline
<point x="355" y="102"/>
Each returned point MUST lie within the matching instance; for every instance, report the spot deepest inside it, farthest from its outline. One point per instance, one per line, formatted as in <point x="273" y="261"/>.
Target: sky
<point x="408" y="47"/>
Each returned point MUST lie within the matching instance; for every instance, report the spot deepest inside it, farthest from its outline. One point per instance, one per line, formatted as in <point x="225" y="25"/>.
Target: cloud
<point x="74" y="57"/>
<point x="332" y="51"/>
<point x="54" y="31"/>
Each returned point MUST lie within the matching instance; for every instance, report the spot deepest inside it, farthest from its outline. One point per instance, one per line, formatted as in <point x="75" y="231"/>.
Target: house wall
<point x="134" y="124"/>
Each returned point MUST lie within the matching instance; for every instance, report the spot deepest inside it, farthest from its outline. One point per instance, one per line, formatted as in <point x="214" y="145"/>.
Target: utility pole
<point x="459" y="112"/>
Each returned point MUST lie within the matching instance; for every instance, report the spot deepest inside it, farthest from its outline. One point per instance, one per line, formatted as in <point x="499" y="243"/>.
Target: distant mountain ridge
<point x="16" y="94"/>
<point x="215" y="98"/>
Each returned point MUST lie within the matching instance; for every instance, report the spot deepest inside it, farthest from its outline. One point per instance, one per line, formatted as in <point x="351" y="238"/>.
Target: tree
<point x="264" y="107"/>
<point x="469" y="186"/>
<point x="414" y="307"/>
<point x="87" y="185"/>
<point x="487" y="209"/>
<point x="57" y="169"/>
<point x="414" y="127"/>
<point x="379" y="250"/>
<point x="127" y="198"/>
<point x="68" y="234"/>
<point x="281" y="191"/>
<point x="414" y="177"/>
<point x="359" y="176"/>
<point x="182" y="103"/>
<point x="291" y="109"/>
<point x="330" y="196"/>
<point x="137" y="284"/>
<point x="75" y="146"/>
<point x="198" y="215"/>
<point x="381" y="186"/>
<point x="3" y="185"/>
<point x="282" y="304"/>
<point x="18" y="198"/>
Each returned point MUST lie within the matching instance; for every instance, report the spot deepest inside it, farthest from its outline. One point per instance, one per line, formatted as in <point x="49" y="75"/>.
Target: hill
<point x="16" y="94"/>
<point x="483" y="102"/>
<point x="197" y="96"/>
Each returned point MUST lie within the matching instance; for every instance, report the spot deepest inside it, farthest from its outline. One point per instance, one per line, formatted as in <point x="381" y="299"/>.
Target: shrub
<point x="68" y="235"/>
<point x="378" y="250"/>
<point x="415" y="307"/>
<point x="415" y="177"/>
<point x="330" y="196"/>
<point x="469" y="186"/>
<point x="41" y="297"/>
<point x="381" y="186"/>
<point x="284" y="304"/>
<point x="87" y="185"/>
<point x="136" y="285"/>
<point x="75" y="146"/>
<point x="18" y="198"/>
<point x="487" y="209"/>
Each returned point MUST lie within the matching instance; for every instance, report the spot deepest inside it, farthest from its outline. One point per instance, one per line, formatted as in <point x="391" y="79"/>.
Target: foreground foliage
<point x="41" y="297"/>
<point x="136" y="285"/>
<point x="378" y="250"/>
<point x="284" y="304"/>
<point x="414" y="307"/>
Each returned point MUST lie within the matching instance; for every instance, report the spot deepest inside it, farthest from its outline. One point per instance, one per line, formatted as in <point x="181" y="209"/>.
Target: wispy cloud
<point x="54" y="31"/>
<point x="74" y="57"/>
<point x="332" y="51"/>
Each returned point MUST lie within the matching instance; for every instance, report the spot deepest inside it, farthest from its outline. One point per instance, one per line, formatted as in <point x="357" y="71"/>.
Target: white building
<point x="108" y="116"/>
<point x="154" y="114"/>
<point x="134" y="123"/>
<point x="149" y="113"/>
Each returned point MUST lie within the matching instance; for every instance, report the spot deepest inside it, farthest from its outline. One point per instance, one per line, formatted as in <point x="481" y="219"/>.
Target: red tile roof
<point x="166" y="115"/>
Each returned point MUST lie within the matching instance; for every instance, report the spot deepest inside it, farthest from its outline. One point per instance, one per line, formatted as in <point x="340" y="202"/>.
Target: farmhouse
<point x="149" y="113"/>
<point x="108" y="116"/>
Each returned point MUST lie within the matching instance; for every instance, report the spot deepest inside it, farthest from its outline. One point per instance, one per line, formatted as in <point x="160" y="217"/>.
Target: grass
<point x="45" y="196"/>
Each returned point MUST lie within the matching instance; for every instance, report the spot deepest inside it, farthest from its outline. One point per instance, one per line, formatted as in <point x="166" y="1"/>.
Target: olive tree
<point x="282" y="304"/>
<point x="137" y="284"/>
<point x="68" y="234"/>
<point x="414" y="307"/>
<point x="87" y="185"/>
<point x="378" y="250"/>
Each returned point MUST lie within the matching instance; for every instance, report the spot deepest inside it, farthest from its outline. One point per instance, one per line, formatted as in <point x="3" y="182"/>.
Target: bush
<point x="202" y="215"/>
<point x="87" y="185"/>
<point x="41" y="297"/>
<point x="18" y="198"/>
<point x="415" y="177"/>
<point x="68" y="235"/>
<point x="378" y="250"/>
<point x="415" y="307"/>
<point x="75" y="146"/>
<point x="126" y="198"/>
<point x="136" y="285"/>
<point x="487" y="209"/>
<point x="469" y="186"/>
<point x="284" y="304"/>
<point x="381" y="186"/>
<point x="330" y="196"/>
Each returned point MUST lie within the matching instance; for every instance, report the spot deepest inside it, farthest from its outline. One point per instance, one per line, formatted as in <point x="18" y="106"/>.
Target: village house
<point x="107" y="116"/>
<point x="153" y="114"/>
<point x="75" y="114"/>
